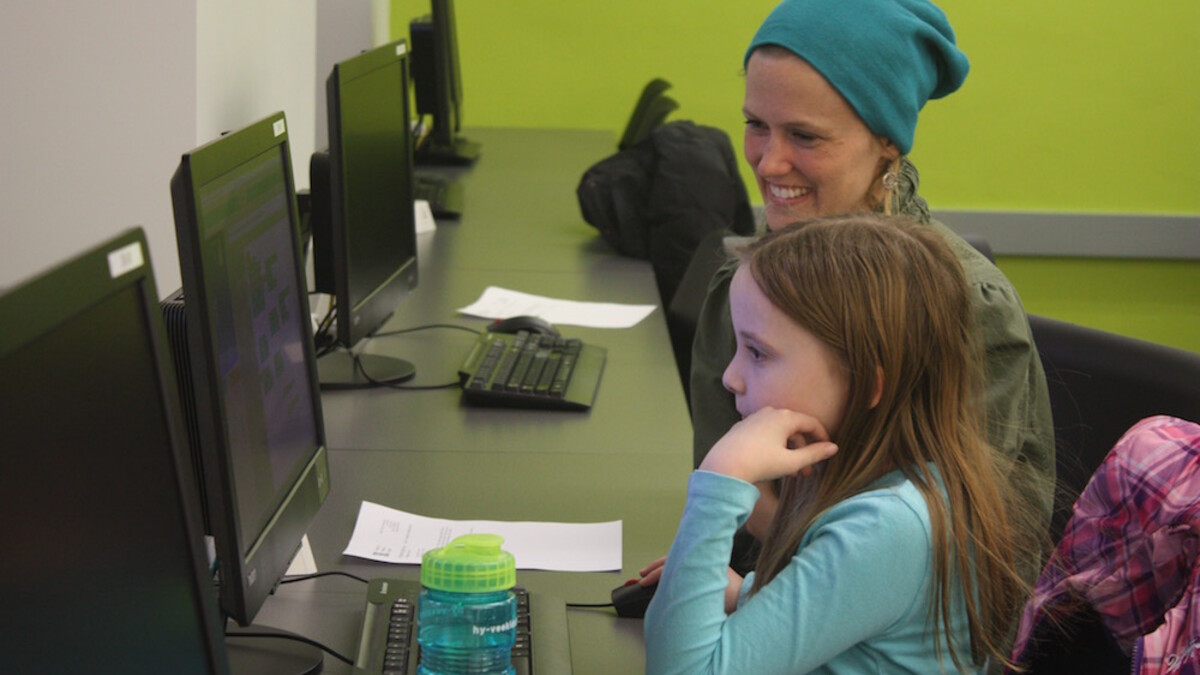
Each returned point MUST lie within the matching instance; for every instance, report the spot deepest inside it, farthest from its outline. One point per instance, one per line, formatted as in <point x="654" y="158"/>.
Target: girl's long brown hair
<point x="889" y="296"/>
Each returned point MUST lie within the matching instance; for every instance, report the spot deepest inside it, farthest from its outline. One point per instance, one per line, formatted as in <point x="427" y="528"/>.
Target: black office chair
<point x="683" y="311"/>
<point x="649" y="112"/>
<point x="1100" y="385"/>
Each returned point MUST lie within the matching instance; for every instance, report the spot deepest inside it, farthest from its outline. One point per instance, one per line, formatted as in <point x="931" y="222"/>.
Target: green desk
<point x="423" y="451"/>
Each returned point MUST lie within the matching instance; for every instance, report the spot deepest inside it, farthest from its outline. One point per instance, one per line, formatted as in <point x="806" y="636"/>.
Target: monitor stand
<point x="339" y="370"/>
<point x="282" y="655"/>
<point x="460" y="152"/>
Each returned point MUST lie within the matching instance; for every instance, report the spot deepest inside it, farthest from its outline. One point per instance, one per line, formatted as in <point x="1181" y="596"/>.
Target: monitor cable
<point x="284" y="635"/>
<point x="316" y="575"/>
<point x="323" y="340"/>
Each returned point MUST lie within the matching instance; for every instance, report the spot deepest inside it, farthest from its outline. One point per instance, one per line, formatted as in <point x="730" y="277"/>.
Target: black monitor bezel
<point x="446" y="32"/>
<point x="437" y="77"/>
<point x="359" y="318"/>
<point x="241" y="593"/>
<point x="37" y="306"/>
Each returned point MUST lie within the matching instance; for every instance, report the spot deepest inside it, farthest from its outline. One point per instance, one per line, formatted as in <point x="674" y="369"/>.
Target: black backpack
<point x="658" y="198"/>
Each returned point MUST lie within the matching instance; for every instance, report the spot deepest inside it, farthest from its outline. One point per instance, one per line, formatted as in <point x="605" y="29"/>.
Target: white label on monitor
<point x="279" y="127"/>
<point x="401" y="49"/>
<point x="125" y="260"/>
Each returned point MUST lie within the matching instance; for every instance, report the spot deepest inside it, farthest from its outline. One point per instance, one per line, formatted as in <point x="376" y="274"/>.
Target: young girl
<point x="893" y="548"/>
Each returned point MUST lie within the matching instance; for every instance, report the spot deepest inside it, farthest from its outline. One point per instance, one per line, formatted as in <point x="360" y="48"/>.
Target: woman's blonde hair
<point x="888" y="296"/>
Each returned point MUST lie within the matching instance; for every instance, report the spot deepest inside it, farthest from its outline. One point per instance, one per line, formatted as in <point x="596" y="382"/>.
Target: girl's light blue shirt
<point x="854" y="600"/>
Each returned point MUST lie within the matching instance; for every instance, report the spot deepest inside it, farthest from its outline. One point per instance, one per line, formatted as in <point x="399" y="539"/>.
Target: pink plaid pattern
<point x="1131" y="549"/>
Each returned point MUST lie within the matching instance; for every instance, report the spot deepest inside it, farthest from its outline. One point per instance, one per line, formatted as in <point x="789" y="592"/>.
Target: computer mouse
<point x="632" y="599"/>
<point x="529" y="322"/>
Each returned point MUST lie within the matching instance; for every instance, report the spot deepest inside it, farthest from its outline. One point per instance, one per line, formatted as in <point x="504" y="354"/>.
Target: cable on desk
<point x="589" y="605"/>
<point x="428" y="327"/>
<point x="396" y="385"/>
<point x="333" y="573"/>
<point x="294" y="638"/>
<point x="325" y="342"/>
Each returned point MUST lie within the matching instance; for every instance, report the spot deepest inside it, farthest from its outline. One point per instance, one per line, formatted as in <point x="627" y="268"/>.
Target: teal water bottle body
<point x="467" y="613"/>
<point x="466" y="633"/>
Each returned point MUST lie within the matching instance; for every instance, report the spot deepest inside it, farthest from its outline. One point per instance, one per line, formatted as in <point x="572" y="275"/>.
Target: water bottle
<point x="467" y="613"/>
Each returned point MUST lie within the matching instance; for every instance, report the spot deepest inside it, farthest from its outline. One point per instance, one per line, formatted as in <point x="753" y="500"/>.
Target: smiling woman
<point x="811" y="153"/>
<point x="827" y="136"/>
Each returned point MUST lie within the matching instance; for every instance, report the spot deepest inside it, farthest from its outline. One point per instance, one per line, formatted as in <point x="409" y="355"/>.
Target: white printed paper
<point x="501" y="303"/>
<point x="393" y="536"/>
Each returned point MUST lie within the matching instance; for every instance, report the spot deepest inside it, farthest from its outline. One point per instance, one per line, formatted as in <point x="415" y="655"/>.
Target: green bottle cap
<point x="472" y="563"/>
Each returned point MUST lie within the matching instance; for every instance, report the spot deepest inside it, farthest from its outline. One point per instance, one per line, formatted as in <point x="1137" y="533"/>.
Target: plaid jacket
<point x="1131" y="550"/>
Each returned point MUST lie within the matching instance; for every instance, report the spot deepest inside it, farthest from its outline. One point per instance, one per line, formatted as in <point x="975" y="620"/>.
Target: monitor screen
<point x="363" y="225"/>
<point x="437" y="76"/>
<point x="104" y="564"/>
<point x="251" y="372"/>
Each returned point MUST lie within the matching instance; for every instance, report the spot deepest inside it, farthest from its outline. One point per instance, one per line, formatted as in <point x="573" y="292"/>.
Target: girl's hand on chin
<point x="768" y="444"/>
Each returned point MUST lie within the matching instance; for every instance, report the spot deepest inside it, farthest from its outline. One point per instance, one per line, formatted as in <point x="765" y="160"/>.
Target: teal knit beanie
<point x="885" y="57"/>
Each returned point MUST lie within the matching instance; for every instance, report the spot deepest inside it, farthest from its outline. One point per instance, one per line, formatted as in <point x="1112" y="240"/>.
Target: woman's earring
<point x="890" y="180"/>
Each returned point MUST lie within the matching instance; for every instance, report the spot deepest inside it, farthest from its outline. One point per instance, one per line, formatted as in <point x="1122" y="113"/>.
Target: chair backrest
<point x="1101" y="384"/>
<point x="683" y="311"/>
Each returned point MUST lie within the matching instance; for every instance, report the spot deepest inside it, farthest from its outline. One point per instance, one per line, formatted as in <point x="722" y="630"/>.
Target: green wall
<point x="1070" y="106"/>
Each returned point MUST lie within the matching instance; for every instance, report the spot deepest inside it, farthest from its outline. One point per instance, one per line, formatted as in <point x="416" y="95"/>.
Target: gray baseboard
<point x="1081" y="234"/>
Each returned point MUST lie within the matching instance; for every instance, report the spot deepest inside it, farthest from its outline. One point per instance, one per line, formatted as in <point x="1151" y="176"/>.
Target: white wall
<point x="344" y="28"/>
<point x="256" y="57"/>
<point x="98" y="100"/>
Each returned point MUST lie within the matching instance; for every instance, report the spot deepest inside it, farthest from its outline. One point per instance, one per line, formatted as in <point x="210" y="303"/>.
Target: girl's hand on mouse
<point x="650" y="574"/>
<point x="768" y="444"/>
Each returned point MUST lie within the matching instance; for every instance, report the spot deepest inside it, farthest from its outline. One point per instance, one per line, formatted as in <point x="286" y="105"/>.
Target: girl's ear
<point x="877" y="393"/>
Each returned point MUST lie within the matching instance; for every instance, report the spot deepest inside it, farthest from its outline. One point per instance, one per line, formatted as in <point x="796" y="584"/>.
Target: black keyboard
<point x="444" y="196"/>
<point x="530" y="370"/>
<point x="388" y="641"/>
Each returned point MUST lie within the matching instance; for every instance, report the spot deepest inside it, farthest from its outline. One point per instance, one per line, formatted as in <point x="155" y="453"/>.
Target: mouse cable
<point x="414" y="329"/>
<point x="338" y="573"/>
<point x="372" y="382"/>
<point x="294" y="638"/>
<point x="327" y="346"/>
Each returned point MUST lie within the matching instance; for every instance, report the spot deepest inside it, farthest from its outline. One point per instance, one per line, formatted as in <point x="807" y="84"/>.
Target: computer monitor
<point x="363" y="226"/>
<point x="242" y="334"/>
<point x="437" y="77"/>
<point x="104" y="565"/>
